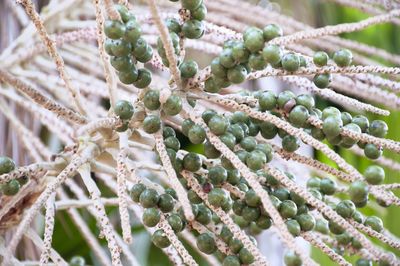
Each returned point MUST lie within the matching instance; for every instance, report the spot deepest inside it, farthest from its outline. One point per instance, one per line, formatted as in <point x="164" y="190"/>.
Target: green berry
<point x="124" y="109"/>
<point x="267" y="100"/>
<point x="151" y="217"/>
<point x="363" y="262"/>
<point x="231" y="261"/>
<point x="254" y="41"/>
<point x="245" y="256"/>
<point x="191" y="4"/>
<point x="159" y="239"/>
<point x="240" y="53"/>
<point x="166" y="203"/>
<point x="217" y="175"/>
<point x="328" y="186"/>
<point x="252" y="199"/>
<point x="374" y="174"/>
<point x="347" y="141"/>
<point x="6" y="165"/>
<point x="358" y="191"/>
<point x="256" y="160"/>
<point x="335" y="228"/>
<point x="114" y="29"/>
<point x="305" y="100"/>
<point x="121" y="48"/>
<point x="248" y="143"/>
<point x="362" y="122"/>
<point x="173" y="25"/>
<point x="151" y="100"/>
<point x="372" y="151"/>
<point x="218" y="125"/>
<point x="146" y="56"/>
<point x="272" y="54"/>
<point x="143" y="79"/>
<point x="205" y="243"/>
<point x="188" y="69"/>
<point x="264" y="222"/>
<point x="375" y="223"/>
<point x="284" y="97"/>
<point x="331" y="111"/>
<point x="288" y="209"/>
<point x="320" y="58"/>
<point x="322" y="226"/>
<point x="237" y="74"/>
<point x="175" y="222"/>
<point x="173" y="105"/>
<point x="149" y="198"/>
<point x="199" y="13"/>
<point x="210" y="151"/>
<point x="77" y="261"/>
<point x="343" y="57"/>
<point x="290" y="143"/>
<point x="293" y="227"/>
<point x="346" y="208"/>
<point x="378" y="128"/>
<point x="229" y="140"/>
<point x="313" y="182"/>
<point x="298" y="116"/>
<point x="129" y="76"/>
<point x="292" y="259"/>
<point x="217" y="197"/>
<point x="272" y="31"/>
<point x="193" y="29"/>
<point x="346" y="118"/>
<point x="121" y="63"/>
<point x="133" y="31"/>
<point x="281" y="193"/>
<point x="172" y="143"/>
<point x="291" y="62"/>
<point x="257" y="62"/>
<point x="203" y="215"/>
<point x="332" y="126"/>
<point x="211" y="86"/>
<point x="322" y="80"/>
<point x="23" y="180"/>
<point x="151" y="124"/>
<point x="192" y="162"/>
<point x="197" y="134"/>
<point x="226" y="58"/>
<point x="217" y="69"/>
<point x="136" y="191"/>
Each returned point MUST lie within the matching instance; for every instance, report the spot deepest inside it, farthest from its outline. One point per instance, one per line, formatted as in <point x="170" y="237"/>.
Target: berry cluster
<point x="11" y="187"/>
<point x="126" y="47"/>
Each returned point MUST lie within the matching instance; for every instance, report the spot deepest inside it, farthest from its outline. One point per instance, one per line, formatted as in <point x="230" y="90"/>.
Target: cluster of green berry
<point x="11" y="187"/>
<point x="342" y="58"/>
<point x="126" y="46"/>
<point x="172" y="106"/>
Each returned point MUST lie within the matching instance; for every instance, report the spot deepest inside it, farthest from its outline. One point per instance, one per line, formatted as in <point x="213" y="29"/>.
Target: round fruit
<point x="362" y="122"/>
<point x="374" y="222"/>
<point x="191" y="4"/>
<point x="136" y="191"/>
<point x="322" y="80"/>
<point x="175" y="222"/>
<point x="77" y="261"/>
<point x="292" y="259"/>
<point x="151" y="124"/>
<point x="245" y="256"/>
<point x="332" y="126"/>
<point x="188" y="69"/>
<point x="256" y="160"/>
<point x="346" y="208"/>
<point x="193" y="29"/>
<point x="358" y="191"/>
<point x="192" y="162"/>
<point x="372" y="151"/>
<point x="114" y="29"/>
<point x="291" y="62"/>
<point x="328" y="186"/>
<point x="11" y="187"/>
<point x="199" y="13"/>
<point x="217" y="197"/>
<point x="6" y="165"/>
<point x="237" y="74"/>
<point x="151" y="217"/>
<point x="149" y="198"/>
<point x="254" y="41"/>
<point x="124" y="109"/>
<point x="374" y="174"/>
<point x="197" y="134"/>
<point x="151" y="99"/>
<point x="159" y="239"/>
<point x="166" y="203"/>
<point x="298" y="116"/>
<point x="217" y="175"/>
<point x="378" y="128"/>
<point x="231" y="261"/>
<point x="343" y="57"/>
<point x="218" y="124"/>
<point x="288" y="209"/>
<point x="272" y="31"/>
<point x="205" y="243"/>
<point x="290" y="143"/>
<point x="320" y="58"/>
<point x="293" y="226"/>
<point x="129" y="76"/>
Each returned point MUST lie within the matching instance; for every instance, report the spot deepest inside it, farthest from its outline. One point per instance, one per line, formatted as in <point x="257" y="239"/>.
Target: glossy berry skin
<point x="290" y="143"/>
<point x="363" y="262"/>
<point x="272" y="31"/>
<point x="172" y="143"/>
<point x="124" y="109"/>
<point x="358" y="191"/>
<point x="267" y="100"/>
<point x="378" y="128"/>
<point x="210" y="151"/>
<point x="231" y="261"/>
<point x="192" y="162"/>
<point x="217" y="175"/>
<point x="343" y="57"/>
<point x="151" y="124"/>
<point x="288" y="209"/>
<point x="151" y="217"/>
<point x="335" y="228"/>
<point x="346" y="208"/>
<point x="159" y="239"/>
<point x="240" y="53"/>
<point x="256" y="160"/>
<point x="257" y="62"/>
<point x="188" y="69"/>
<point x="136" y="191"/>
<point x="292" y="259"/>
<point x="77" y="261"/>
<point x="372" y="151"/>
<point x="149" y="198"/>
<point x="133" y="31"/>
<point x="10" y="188"/>
<point x="284" y="97"/>
<point x="254" y="41"/>
<point x="173" y="105"/>
<point x="146" y="56"/>
<point x="143" y="79"/>
<point x="6" y="165"/>
<point x="245" y="256"/>
<point x="321" y="226"/>
<point x="204" y="215"/>
<point x="347" y="141"/>
<point x="320" y="58"/>
<point x="290" y="62"/>
<point x="197" y="134"/>
<point x="175" y="222"/>
<point x="23" y="180"/>
<point x="298" y="116"/>
<point x="251" y="198"/>
<point x="166" y="203"/>
<point x="237" y="74"/>
<point x="199" y="13"/>
<point x="272" y="54"/>
<point x="173" y="25"/>
<point x="331" y="111"/>
<point x="217" y="69"/>
<point x="217" y="197"/>
<point x="191" y="4"/>
<point x="305" y="100"/>
<point x="332" y="126"/>
<point x="193" y="29"/>
<point x="151" y="99"/>
<point x="205" y="243"/>
<point x="322" y="80"/>
<point x="121" y="63"/>
<point x="218" y="125"/>
<point x="328" y="186"/>
<point x="121" y="48"/>
<point x="114" y="29"/>
<point x="129" y="76"/>
<point x="293" y="227"/>
<point x="374" y="174"/>
<point x="362" y="122"/>
<point x="374" y="222"/>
